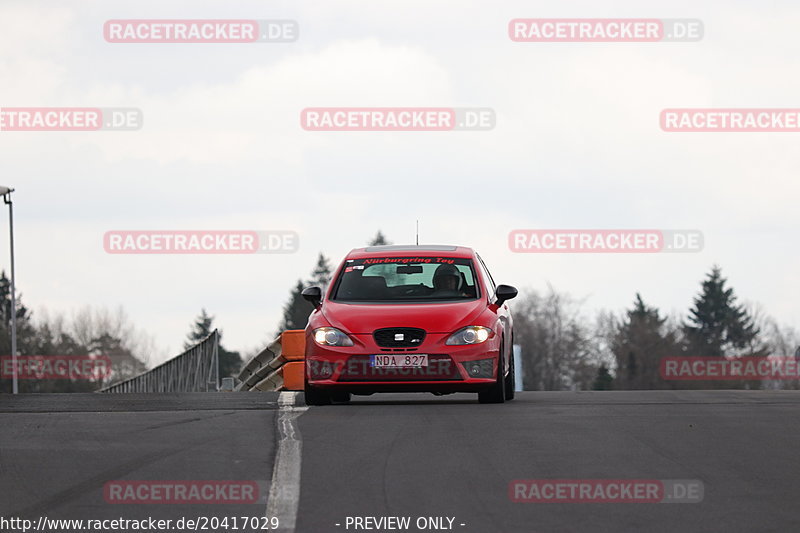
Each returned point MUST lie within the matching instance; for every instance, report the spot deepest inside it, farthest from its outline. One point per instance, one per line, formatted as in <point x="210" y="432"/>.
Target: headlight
<point x="469" y="335"/>
<point x="331" y="337"/>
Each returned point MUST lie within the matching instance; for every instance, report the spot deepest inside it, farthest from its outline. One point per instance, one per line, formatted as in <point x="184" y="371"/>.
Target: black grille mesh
<point x="399" y="337"/>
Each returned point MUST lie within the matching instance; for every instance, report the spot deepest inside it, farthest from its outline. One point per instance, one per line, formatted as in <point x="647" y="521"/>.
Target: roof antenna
<point x="417" y="232"/>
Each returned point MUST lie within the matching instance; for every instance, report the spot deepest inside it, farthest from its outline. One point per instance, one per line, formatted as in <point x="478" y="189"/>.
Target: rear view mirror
<point x="313" y="295"/>
<point x="504" y="293"/>
<point x="409" y="269"/>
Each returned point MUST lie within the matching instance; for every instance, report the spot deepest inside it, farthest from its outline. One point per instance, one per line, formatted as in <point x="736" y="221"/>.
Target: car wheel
<point x="340" y="397"/>
<point x="316" y="396"/>
<point x="496" y="393"/>
<point x="511" y="381"/>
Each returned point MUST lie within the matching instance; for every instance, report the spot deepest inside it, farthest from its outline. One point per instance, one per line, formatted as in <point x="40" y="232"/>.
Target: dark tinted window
<point x="406" y="279"/>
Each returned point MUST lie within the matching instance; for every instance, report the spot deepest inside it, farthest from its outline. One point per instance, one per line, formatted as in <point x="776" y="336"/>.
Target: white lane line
<point x="284" y="492"/>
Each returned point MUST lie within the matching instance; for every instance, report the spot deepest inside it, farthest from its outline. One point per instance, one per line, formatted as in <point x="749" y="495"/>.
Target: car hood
<point x="432" y="317"/>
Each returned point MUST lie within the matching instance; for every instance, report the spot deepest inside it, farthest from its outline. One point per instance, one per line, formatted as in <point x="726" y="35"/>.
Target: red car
<point x="410" y="319"/>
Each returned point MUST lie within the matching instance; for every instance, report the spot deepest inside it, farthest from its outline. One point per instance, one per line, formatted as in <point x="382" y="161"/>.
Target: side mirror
<point x="313" y="295"/>
<point x="504" y="293"/>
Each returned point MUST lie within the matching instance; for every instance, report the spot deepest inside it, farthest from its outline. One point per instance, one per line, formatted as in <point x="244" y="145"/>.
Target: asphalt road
<point x="57" y="452"/>
<point x="394" y="456"/>
<point x="418" y="456"/>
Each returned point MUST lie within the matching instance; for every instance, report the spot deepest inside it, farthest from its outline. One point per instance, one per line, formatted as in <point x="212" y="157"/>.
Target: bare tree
<point x="782" y="341"/>
<point x="110" y="333"/>
<point x="557" y="346"/>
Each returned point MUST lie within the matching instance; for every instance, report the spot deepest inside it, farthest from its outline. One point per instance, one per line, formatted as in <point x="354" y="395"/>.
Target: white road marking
<point x="284" y="492"/>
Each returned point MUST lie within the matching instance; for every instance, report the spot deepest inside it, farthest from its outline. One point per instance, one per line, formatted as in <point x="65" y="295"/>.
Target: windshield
<point x="406" y="279"/>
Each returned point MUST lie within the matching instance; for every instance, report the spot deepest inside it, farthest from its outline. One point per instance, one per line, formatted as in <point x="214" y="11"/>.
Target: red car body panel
<point x="346" y="368"/>
<point x="359" y="319"/>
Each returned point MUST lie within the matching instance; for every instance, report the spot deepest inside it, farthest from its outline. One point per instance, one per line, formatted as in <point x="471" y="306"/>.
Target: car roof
<point x="403" y="250"/>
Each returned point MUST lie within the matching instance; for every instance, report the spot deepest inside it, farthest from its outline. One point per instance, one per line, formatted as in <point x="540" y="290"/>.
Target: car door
<point x="503" y="315"/>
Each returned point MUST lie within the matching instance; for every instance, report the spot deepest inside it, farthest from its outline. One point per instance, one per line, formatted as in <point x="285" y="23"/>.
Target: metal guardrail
<point x="195" y="370"/>
<point x="279" y="366"/>
<point x="260" y="373"/>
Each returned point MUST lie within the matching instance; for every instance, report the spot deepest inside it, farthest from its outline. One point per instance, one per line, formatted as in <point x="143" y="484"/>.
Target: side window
<point x="487" y="274"/>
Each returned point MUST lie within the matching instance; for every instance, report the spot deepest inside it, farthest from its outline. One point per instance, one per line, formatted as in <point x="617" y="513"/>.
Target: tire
<point x="510" y="380"/>
<point x="341" y="397"/>
<point x="316" y="396"/>
<point x="497" y="392"/>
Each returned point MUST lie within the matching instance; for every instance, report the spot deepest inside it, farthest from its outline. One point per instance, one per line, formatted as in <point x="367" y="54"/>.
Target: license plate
<point x="398" y="360"/>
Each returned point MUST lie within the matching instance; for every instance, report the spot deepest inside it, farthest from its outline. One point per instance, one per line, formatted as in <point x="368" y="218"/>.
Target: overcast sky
<point x="577" y="144"/>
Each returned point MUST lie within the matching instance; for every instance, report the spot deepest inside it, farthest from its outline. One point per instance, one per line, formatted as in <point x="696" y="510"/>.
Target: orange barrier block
<point x="293" y="344"/>
<point x="293" y="375"/>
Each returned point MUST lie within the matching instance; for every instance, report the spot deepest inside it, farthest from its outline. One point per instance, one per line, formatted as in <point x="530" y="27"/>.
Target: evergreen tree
<point x="379" y="240"/>
<point x="25" y="329"/>
<point x="26" y="335"/>
<point x="87" y="335"/>
<point x="124" y="364"/>
<point x="717" y="326"/>
<point x="229" y="362"/>
<point x="39" y="340"/>
<point x="321" y="275"/>
<point x="296" y="310"/>
<point x="604" y="380"/>
<point x="201" y="329"/>
<point x="639" y="344"/>
<point x="64" y="344"/>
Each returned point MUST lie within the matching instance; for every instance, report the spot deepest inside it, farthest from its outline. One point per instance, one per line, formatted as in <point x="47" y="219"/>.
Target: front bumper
<point x="348" y="368"/>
